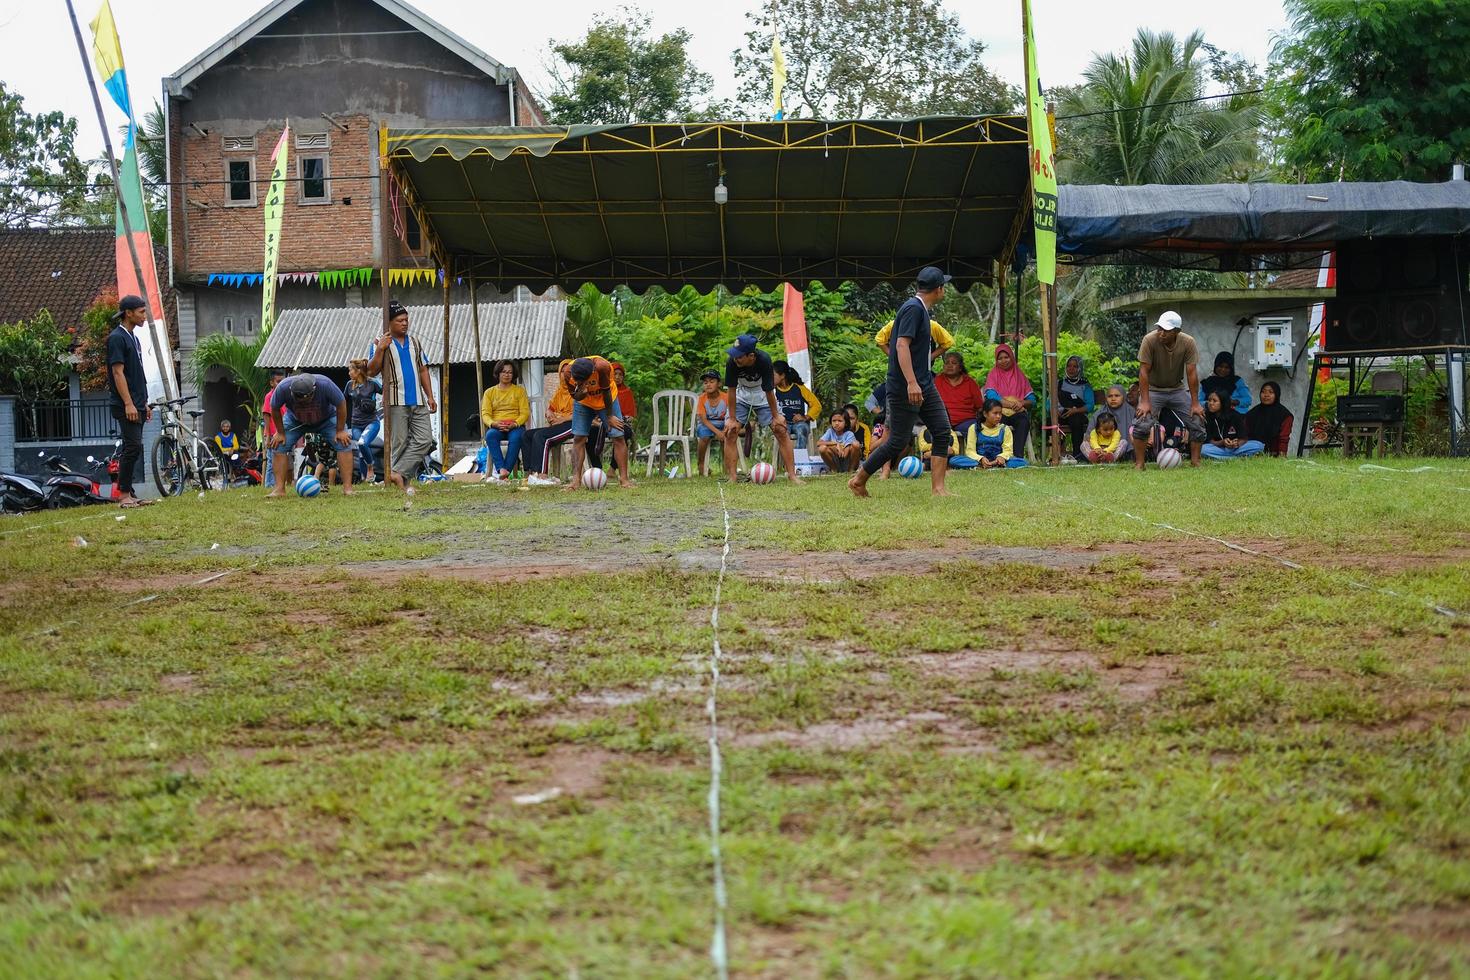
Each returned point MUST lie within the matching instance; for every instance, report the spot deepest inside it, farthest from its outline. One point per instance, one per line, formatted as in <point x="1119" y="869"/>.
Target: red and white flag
<point x="793" y="332"/>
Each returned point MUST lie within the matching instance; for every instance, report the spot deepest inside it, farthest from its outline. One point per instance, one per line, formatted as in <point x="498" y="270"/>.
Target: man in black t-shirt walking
<point x="129" y="389"/>
<point x="912" y="396"/>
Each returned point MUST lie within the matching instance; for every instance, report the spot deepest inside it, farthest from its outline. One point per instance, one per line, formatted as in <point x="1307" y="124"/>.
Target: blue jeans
<point x="1251" y="447"/>
<point x="362" y="437"/>
<point x="504" y="460"/>
<point x="801" y="433"/>
<point x="582" y="417"/>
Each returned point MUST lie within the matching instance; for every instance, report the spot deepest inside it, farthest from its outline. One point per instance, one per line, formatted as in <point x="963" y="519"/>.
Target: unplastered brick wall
<point x="215" y="234"/>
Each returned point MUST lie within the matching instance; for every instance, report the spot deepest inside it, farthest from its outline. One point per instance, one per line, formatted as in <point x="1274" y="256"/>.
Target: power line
<point x="1155" y="105"/>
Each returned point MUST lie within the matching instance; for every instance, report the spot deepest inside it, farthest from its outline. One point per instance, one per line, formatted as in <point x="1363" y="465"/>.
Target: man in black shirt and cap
<point x="129" y="387"/>
<point x="912" y="396"/>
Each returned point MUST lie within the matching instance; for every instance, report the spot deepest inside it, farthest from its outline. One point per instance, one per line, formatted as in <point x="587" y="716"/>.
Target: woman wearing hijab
<point x="1231" y="386"/>
<point x="1269" y="423"/>
<point x="1074" y="405"/>
<point x="1116" y="404"/>
<point x="1225" y="435"/>
<point x="1008" y="385"/>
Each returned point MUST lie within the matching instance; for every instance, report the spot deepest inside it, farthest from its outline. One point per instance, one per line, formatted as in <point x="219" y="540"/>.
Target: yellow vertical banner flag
<point x="1042" y="160"/>
<point x="275" y="201"/>
<point x="778" y="76"/>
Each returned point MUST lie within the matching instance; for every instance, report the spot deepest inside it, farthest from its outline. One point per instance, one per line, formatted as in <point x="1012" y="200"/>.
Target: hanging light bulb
<point x="722" y="193"/>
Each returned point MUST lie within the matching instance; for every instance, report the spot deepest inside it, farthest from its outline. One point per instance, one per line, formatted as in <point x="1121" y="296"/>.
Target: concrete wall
<point x="1215" y="326"/>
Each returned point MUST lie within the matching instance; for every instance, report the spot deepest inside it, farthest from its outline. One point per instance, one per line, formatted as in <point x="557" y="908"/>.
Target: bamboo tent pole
<point x="385" y="238"/>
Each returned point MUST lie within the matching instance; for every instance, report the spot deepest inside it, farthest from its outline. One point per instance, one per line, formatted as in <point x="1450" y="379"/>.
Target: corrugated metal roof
<point x="329" y="338"/>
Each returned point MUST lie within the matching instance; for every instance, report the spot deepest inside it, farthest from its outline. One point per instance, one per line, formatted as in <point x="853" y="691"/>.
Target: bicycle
<point x="180" y="456"/>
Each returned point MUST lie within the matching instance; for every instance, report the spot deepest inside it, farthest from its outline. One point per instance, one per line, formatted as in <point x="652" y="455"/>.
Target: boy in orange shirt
<point x="594" y="394"/>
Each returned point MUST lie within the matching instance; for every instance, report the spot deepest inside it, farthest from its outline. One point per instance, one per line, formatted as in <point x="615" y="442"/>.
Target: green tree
<point x="621" y="73"/>
<point x="41" y="179"/>
<point x="33" y="361"/>
<point x="864" y="59"/>
<point x="1373" y="90"/>
<point x="1132" y="121"/>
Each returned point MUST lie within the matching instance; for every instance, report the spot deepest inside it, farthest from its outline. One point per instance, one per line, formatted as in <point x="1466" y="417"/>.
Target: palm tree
<point x="1132" y="121"/>
<point x="238" y="359"/>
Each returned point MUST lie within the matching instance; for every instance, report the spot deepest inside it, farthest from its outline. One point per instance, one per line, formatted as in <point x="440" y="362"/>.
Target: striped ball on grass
<point x="308" y="485"/>
<point x="594" y="479"/>
<point x="762" y="473"/>
<point x="910" y="467"/>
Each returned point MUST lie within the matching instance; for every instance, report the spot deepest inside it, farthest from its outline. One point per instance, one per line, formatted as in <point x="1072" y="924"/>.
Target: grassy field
<point x="1047" y="727"/>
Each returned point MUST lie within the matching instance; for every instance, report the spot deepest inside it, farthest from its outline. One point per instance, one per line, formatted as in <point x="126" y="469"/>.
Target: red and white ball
<point x="594" y="479"/>
<point x="762" y="473"/>
<point x="1168" y="458"/>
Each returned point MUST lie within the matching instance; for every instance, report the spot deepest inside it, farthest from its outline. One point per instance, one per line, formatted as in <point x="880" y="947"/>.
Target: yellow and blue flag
<point x="107" y="55"/>
<point x="778" y="76"/>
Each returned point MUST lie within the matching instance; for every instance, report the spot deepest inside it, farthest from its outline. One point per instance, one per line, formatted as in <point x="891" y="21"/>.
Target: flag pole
<point x="164" y="373"/>
<point x="385" y="226"/>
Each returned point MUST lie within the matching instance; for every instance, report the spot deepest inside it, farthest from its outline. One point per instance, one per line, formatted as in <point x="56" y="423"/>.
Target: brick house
<point x="337" y="70"/>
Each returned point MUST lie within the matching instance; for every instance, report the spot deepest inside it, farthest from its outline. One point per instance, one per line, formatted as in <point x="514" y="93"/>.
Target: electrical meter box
<point x="1273" y="342"/>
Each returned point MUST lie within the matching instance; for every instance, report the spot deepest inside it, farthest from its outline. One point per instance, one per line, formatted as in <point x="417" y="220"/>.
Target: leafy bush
<point x="33" y="358"/>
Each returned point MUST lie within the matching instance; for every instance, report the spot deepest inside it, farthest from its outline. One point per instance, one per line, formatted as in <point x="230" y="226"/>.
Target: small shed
<point x="529" y="333"/>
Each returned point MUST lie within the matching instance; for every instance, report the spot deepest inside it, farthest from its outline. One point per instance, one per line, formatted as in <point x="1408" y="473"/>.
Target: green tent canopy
<point x="634" y="205"/>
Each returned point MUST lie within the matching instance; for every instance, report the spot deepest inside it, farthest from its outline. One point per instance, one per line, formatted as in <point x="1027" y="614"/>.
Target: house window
<point x="241" y="177"/>
<point x="413" y="236"/>
<point x="314" y="186"/>
<point x="229" y="325"/>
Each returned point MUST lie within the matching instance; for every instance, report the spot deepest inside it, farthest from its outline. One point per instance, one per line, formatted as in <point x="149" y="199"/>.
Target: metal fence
<point x="63" y="421"/>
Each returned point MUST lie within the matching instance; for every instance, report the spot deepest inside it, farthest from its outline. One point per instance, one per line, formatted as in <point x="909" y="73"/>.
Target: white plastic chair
<point x="673" y="422"/>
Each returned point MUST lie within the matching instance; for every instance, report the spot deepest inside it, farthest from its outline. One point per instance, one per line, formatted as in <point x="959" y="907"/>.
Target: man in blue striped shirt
<point x="407" y="393"/>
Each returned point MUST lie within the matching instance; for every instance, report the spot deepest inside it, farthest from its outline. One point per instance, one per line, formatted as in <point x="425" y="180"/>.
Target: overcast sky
<point x="160" y="36"/>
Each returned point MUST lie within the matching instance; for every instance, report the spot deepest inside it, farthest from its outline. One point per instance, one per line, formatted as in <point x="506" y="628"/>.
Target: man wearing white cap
<point x="1168" y="377"/>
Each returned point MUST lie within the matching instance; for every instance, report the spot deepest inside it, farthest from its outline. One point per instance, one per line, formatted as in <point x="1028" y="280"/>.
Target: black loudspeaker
<point x="1394" y="293"/>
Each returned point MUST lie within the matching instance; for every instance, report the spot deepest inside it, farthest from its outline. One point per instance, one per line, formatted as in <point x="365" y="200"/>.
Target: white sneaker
<point x="492" y="478"/>
<point x="536" y="480"/>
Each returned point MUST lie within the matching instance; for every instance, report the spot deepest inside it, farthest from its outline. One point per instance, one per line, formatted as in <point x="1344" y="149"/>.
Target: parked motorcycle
<point x="67" y="488"/>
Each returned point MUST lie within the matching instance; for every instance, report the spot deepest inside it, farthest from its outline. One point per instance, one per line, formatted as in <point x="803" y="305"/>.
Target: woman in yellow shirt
<point x="504" y="410"/>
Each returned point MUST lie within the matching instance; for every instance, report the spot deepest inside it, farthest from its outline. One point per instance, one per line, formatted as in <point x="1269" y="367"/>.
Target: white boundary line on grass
<point x="1371" y="471"/>
<point x="1442" y="610"/>
<point x="74" y="520"/>
<point x="718" y="951"/>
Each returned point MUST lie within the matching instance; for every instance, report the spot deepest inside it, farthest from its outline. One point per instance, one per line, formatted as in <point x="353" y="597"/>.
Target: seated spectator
<point x="628" y="403"/>
<point x="797" y="403"/>
<point x="962" y="397"/>
<point x="838" y="446"/>
<point x="539" y="443"/>
<point x="1104" y="442"/>
<point x="1008" y="385"/>
<point x="504" y="411"/>
<point x="228" y="445"/>
<point x="859" y="428"/>
<point x="991" y="444"/>
<point x="1225" y="436"/>
<point x="711" y="413"/>
<point x="1232" y="388"/>
<point x="1074" y="405"/>
<point x="1115" y="403"/>
<point x="1269" y="423"/>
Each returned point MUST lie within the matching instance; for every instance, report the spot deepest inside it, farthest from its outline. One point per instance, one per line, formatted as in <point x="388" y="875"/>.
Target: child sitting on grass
<point x="1104" y="441"/>
<point x="838" y="446"/>
<point x="989" y="444"/>
<point x="710" y="411"/>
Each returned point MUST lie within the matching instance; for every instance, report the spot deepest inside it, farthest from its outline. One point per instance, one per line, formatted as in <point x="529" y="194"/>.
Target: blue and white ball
<point x="910" y="467"/>
<point x="308" y="485"/>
